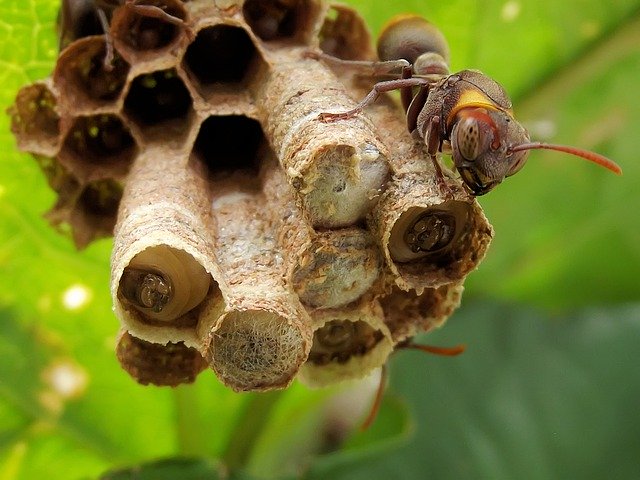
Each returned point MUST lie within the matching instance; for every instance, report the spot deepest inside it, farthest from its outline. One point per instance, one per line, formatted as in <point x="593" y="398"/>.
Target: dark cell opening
<point x="98" y="138"/>
<point x="273" y="19"/>
<point x="101" y="199"/>
<point x="220" y="54"/>
<point x="157" y="97"/>
<point x="229" y="143"/>
<point x="146" y="28"/>
<point x="35" y="113"/>
<point x="77" y="19"/>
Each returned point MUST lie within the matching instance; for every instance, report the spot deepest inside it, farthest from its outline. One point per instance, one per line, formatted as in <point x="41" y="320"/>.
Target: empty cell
<point x="157" y="97"/>
<point x="34" y="119"/>
<point x="100" y="199"/>
<point x="344" y="34"/>
<point x="229" y="143"/>
<point x="94" y="213"/>
<point x="87" y="76"/>
<point x="77" y="19"/>
<point x="149" y="25"/>
<point x="99" y="139"/>
<point x="220" y="54"/>
<point x="279" y="19"/>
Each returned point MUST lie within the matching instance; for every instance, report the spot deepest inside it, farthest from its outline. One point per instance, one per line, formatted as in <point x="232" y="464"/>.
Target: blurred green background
<point x="549" y="386"/>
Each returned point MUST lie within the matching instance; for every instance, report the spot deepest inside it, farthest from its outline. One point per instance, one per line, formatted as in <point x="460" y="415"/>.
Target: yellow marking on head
<point x="475" y="98"/>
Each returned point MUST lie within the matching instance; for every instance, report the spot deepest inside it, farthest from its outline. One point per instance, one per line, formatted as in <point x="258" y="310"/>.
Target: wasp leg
<point x="432" y="141"/>
<point x="364" y="67"/>
<point x="378" y="88"/>
<point x="153" y="11"/>
<point x="109" y="56"/>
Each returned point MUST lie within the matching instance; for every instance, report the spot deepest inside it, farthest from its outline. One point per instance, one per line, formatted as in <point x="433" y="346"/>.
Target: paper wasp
<point x="466" y="113"/>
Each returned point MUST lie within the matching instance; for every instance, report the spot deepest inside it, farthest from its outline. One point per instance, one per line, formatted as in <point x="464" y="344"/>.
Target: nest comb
<point x="249" y="236"/>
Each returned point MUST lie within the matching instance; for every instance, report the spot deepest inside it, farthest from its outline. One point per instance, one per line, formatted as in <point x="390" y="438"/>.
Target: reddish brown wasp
<point x="467" y="113"/>
<point x="82" y="18"/>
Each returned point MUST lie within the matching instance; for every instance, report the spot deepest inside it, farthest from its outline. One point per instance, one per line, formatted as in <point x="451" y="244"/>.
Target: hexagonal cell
<point x="95" y="211"/>
<point x="344" y="34"/>
<point x="148" y="28"/>
<point x="229" y="143"/>
<point x="98" y="145"/>
<point x="160" y="104"/>
<point x="77" y="19"/>
<point x="88" y="78"/>
<point x="273" y="20"/>
<point x="35" y="121"/>
<point x="222" y="55"/>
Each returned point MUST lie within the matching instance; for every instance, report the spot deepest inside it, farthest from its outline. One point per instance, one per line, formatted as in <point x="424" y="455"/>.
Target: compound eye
<point x="518" y="159"/>
<point x="468" y="138"/>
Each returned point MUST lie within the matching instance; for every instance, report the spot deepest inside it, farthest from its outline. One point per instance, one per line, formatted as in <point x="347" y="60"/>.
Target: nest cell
<point x="97" y="146"/>
<point x="171" y="365"/>
<point x="88" y="78"/>
<point x="229" y="143"/>
<point x="160" y="99"/>
<point x="221" y="56"/>
<point x="280" y="19"/>
<point x="148" y="27"/>
<point x="35" y="121"/>
<point x="94" y="214"/>
<point x="344" y="34"/>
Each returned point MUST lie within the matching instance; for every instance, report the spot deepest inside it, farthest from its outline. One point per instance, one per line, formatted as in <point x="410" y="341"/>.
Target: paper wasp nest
<point x="249" y="236"/>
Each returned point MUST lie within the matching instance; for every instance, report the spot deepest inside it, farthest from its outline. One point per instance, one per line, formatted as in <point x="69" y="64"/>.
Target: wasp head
<point x="481" y="144"/>
<point x="488" y="145"/>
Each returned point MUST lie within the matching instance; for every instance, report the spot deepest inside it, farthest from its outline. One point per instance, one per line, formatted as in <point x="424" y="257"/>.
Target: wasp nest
<point x="249" y="235"/>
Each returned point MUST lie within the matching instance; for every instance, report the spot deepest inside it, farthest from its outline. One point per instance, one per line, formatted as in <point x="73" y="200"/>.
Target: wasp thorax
<point x="339" y="340"/>
<point x="430" y="232"/>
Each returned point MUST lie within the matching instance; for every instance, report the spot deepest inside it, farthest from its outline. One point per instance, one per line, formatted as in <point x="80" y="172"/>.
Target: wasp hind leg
<point x="378" y="88"/>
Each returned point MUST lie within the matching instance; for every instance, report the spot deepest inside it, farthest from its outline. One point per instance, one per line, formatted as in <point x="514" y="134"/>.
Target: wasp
<point x="82" y="18"/>
<point x="466" y="114"/>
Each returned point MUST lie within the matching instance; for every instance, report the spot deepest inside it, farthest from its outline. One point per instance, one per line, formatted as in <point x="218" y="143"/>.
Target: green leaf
<point x="170" y="469"/>
<point x="534" y="396"/>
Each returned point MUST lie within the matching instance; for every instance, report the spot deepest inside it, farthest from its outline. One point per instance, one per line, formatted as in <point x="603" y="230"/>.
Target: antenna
<point x="578" y="152"/>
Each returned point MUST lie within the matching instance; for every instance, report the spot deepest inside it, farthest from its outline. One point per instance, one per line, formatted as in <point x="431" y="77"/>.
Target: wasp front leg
<point x="372" y="96"/>
<point x="433" y="141"/>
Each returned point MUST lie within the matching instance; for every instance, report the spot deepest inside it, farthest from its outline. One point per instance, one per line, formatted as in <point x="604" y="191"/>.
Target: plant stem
<point x="247" y="432"/>
<point x="191" y="441"/>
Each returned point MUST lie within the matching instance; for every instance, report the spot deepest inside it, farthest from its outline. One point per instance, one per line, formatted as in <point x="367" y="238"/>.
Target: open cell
<point x="344" y="34"/>
<point x="221" y="55"/>
<point x="95" y="212"/>
<point x="160" y="99"/>
<point x="98" y="143"/>
<point x="35" y="121"/>
<point x="280" y="19"/>
<point x="88" y="76"/>
<point x="229" y="143"/>
<point x="148" y="26"/>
